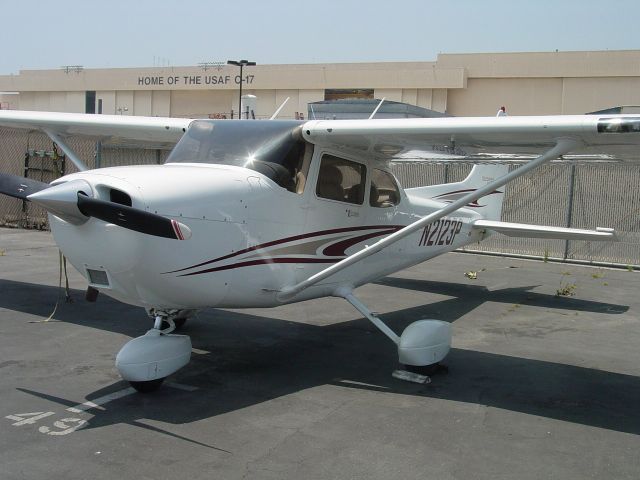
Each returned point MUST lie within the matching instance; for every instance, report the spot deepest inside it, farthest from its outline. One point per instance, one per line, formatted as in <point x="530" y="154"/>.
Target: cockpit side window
<point x="341" y="180"/>
<point x="384" y="191"/>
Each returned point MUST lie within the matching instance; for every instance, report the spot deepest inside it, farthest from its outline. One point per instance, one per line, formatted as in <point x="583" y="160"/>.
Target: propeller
<point x="19" y="187"/>
<point x="72" y="202"/>
<point x="132" y="218"/>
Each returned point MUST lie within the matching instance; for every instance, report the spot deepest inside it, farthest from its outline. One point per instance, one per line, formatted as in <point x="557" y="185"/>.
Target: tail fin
<point x="489" y="206"/>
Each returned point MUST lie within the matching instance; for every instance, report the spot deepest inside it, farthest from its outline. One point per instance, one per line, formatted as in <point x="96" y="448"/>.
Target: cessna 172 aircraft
<point x="264" y="213"/>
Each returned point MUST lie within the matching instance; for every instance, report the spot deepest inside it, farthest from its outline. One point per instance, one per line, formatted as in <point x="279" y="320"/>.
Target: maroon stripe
<point x="457" y="191"/>
<point x="263" y="262"/>
<point x="285" y="240"/>
<point x="339" y="249"/>
<point x="464" y="191"/>
<point x="176" y="230"/>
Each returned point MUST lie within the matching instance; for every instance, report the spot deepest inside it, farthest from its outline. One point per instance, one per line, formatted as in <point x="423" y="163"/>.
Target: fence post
<point x="98" y="154"/>
<point x="572" y="185"/>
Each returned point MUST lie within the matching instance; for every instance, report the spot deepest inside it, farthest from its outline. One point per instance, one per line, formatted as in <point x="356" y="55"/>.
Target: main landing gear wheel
<point x="428" y="370"/>
<point x="147" y="386"/>
<point x="421" y="347"/>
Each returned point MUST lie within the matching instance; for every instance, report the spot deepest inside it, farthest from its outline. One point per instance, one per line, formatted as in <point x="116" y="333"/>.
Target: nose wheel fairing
<point x="147" y="360"/>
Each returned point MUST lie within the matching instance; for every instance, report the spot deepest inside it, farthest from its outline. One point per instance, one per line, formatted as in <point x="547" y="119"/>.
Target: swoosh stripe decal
<point x="291" y="239"/>
<point x="339" y="249"/>
<point x="263" y="262"/>
<point x="465" y="191"/>
<point x="457" y="194"/>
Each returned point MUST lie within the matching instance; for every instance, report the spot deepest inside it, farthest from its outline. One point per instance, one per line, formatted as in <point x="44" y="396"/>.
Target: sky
<point x="145" y="33"/>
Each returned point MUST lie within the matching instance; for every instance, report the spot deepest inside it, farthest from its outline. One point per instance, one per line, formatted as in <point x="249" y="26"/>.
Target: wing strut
<point x="563" y="146"/>
<point x="348" y="295"/>
<point x="68" y="150"/>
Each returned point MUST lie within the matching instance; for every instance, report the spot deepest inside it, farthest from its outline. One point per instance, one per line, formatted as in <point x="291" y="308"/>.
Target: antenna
<point x="207" y="65"/>
<point x="72" y="68"/>
<point x="377" y="108"/>
<point x="275" y="114"/>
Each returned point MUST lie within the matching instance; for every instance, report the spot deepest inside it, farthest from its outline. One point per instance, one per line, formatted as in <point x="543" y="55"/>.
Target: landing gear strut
<point x="421" y="347"/>
<point x="147" y="360"/>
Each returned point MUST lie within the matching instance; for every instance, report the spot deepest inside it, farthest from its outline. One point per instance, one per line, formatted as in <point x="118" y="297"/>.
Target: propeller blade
<point x="133" y="218"/>
<point x="19" y="187"/>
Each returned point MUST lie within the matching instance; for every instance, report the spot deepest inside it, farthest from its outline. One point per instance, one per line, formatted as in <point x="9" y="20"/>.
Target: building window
<point x="338" y="93"/>
<point x="90" y="102"/>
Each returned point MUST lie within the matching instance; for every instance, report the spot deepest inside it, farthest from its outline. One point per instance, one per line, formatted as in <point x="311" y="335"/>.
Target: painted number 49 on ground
<point x="63" y="426"/>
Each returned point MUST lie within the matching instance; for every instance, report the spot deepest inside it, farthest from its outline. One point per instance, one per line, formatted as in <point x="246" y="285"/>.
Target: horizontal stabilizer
<point x="19" y="187"/>
<point x="540" y="231"/>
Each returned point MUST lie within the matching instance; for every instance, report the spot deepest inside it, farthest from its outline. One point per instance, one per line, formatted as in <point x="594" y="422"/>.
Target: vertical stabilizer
<point x="489" y="206"/>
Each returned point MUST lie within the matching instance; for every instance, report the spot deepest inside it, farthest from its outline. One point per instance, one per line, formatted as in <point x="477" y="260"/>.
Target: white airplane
<point x="264" y="213"/>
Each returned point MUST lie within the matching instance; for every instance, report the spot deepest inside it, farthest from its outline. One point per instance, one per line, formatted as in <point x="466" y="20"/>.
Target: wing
<point x="114" y="129"/>
<point x="606" y="137"/>
<point x="117" y="129"/>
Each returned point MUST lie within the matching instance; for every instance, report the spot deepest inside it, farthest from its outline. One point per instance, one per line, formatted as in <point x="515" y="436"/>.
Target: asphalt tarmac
<point x="539" y="386"/>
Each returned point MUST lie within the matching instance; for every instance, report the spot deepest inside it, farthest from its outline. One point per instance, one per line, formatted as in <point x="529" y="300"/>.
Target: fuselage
<point x="250" y="236"/>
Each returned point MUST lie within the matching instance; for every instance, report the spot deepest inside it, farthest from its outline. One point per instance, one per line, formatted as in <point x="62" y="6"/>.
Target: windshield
<point x="273" y="148"/>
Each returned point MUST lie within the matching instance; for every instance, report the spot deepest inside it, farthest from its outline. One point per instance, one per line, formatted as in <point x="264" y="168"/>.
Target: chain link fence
<point x="586" y="195"/>
<point x="558" y="194"/>
<point x="33" y="154"/>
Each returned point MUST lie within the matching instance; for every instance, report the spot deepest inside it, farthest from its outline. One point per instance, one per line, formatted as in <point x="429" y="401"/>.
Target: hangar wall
<point x="459" y="84"/>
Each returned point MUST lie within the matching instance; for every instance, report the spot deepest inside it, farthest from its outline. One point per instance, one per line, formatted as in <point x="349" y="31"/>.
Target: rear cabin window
<point x="341" y="180"/>
<point x="384" y="191"/>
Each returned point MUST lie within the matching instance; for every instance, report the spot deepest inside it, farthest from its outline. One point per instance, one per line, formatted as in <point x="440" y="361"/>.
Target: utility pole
<point x="241" y="64"/>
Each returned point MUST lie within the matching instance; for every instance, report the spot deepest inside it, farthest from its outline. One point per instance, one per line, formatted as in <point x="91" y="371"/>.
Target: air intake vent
<point x="117" y="196"/>
<point x="98" y="277"/>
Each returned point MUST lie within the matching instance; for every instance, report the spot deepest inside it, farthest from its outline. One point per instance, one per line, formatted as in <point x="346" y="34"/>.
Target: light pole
<point x="241" y="64"/>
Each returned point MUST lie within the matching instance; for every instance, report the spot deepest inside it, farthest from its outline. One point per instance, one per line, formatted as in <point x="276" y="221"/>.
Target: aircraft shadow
<point x="105" y="314"/>
<point x="253" y="359"/>
<point x="478" y="294"/>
